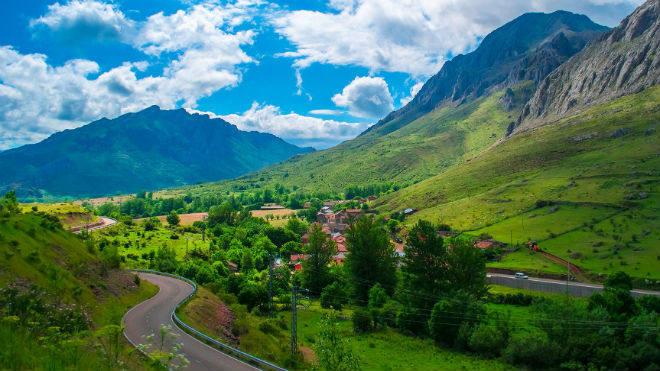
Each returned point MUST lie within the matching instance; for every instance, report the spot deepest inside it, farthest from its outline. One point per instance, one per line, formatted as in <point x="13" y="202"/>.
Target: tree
<point x="371" y="258"/>
<point x="296" y="226"/>
<point x="467" y="268"/>
<point x="319" y="250"/>
<point x="425" y="274"/>
<point x="9" y="204"/>
<point x="451" y="313"/>
<point x="333" y="349"/>
<point x="334" y="296"/>
<point x="222" y="214"/>
<point x="151" y="224"/>
<point x="377" y="296"/>
<point x="173" y="219"/>
<point x="165" y="260"/>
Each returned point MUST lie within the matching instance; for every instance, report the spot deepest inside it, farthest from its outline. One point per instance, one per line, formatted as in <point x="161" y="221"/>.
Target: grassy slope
<point x="69" y="213"/>
<point x="415" y="152"/>
<point x="577" y="162"/>
<point x="58" y="262"/>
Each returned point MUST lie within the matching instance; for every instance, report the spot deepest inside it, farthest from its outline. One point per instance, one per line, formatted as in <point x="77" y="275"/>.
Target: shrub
<point x="531" y="348"/>
<point x="487" y="340"/>
<point x="362" y="322"/>
<point x="450" y="313"/>
<point x="252" y="295"/>
<point x="377" y="296"/>
<point x="333" y="296"/>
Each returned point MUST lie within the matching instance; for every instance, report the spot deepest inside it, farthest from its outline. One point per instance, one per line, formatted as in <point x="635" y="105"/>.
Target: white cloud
<point x="294" y="128"/>
<point x="327" y="112"/>
<point x="86" y="19"/>
<point x="413" y="36"/>
<point x="413" y="92"/>
<point x="37" y="99"/>
<point x="367" y="97"/>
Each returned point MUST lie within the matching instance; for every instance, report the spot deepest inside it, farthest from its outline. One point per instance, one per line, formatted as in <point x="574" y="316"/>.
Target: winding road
<point x="146" y="318"/>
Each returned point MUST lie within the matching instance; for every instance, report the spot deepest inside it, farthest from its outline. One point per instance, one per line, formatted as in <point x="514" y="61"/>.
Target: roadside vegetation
<point x="62" y="299"/>
<point x="433" y="302"/>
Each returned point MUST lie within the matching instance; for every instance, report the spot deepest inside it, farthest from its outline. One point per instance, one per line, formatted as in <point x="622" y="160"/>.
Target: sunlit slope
<point x="600" y="168"/>
<point x="423" y="148"/>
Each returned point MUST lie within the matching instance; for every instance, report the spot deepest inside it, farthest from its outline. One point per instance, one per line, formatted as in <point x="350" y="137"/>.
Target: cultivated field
<point x="186" y="219"/>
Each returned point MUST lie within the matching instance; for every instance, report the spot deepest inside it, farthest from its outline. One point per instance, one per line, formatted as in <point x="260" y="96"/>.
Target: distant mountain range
<point x="147" y="150"/>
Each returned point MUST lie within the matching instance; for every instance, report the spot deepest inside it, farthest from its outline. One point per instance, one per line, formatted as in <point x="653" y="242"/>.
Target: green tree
<point x="467" y="268"/>
<point x="371" y="258"/>
<point x="451" y="313"/>
<point x="334" y="296"/>
<point x="296" y="226"/>
<point x="173" y="219"/>
<point x="319" y="251"/>
<point x="222" y="214"/>
<point x="377" y="296"/>
<point x="332" y="347"/>
<point x="424" y="273"/>
<point x="9" y="204"/>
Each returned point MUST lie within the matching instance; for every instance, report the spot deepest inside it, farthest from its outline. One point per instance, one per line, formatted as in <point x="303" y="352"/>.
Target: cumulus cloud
<point x="327" y="112"/>
<point x="89" y="19"/>
<point x="413" y="36"/>
<point x="413" y="92"/>
<point x="295" y="128"/>
<point x="203" y="56"/>
<point x="366" y="97"/>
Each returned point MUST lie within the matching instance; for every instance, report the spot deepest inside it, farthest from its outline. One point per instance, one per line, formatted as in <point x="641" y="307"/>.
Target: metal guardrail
<point x="202" y="336"/>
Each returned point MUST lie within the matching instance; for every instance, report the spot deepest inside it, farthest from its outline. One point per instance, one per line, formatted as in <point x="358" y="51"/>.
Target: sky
<point x="313" y="72"/>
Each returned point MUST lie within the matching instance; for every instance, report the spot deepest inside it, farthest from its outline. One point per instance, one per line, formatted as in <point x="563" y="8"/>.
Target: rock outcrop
<point x="624" y="61"/>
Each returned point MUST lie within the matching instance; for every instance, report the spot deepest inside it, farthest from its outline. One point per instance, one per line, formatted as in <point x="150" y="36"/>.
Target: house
<point x="297" y="258"/>
<point x="400" y="249"/>
<point x="347" y="216"/>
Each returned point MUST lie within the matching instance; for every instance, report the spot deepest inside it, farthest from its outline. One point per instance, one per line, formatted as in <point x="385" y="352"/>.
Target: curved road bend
<point x="145" y="319"/>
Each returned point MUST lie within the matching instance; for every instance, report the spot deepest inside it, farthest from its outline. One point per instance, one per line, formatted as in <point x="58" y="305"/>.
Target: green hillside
<point x="597" y="172"/>
<point x="421" y="149"/>
<point x="58" y="293"/>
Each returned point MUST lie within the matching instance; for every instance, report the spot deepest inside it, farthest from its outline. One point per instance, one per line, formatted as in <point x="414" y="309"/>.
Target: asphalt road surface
<point x="555" y="286"/>
<point x="145" y="319"/>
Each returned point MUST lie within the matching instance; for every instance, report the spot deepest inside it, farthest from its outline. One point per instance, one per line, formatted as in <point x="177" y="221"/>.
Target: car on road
<point x="521" y="276"/>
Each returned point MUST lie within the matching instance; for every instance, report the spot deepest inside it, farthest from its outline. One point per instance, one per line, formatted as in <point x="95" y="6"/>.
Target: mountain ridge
<point x="149" y="149"/>
<point x="526" y="48"/>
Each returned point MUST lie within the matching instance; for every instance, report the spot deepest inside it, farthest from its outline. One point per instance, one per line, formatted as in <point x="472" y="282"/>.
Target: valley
<point x="504" y="216"/>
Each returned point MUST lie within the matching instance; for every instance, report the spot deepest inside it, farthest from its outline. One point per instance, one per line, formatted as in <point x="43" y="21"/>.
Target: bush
<point x="450" y="313"/>
<point x="362" y="322"/>
<point x="252" y="295"/>
<point x="487" y="340"/>
<point x="377" y="296"/>
<point x="530" y="348"/>
<point x="333" y="296"/>
<point x="389" y="312"/>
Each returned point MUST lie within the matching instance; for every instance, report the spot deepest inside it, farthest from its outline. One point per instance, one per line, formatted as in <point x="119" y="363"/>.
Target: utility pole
<point x="270" y="285"/>
<point x="294" y="320"/>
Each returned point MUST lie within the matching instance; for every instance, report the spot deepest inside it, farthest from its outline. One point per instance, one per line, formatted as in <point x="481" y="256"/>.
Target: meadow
<point x="575" y="186"/>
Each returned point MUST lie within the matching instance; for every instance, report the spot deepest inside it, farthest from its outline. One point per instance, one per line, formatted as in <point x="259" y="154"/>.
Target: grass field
<point x="185" y="219"/>
<point x="606" y="194"/>
<point x="135" y="241"/>
<point x="70" y="214"/>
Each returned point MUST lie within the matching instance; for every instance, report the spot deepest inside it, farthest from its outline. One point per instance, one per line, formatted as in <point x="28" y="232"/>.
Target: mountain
<point x="150" y="149"/>
<point x="584" y="182"/>
<point x="624" y="61"/>
<point x="464" y="109"/>
<point x="525" y="49"/>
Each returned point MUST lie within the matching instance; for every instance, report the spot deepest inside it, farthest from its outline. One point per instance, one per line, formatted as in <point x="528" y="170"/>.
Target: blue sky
<point x="313" y="72"/>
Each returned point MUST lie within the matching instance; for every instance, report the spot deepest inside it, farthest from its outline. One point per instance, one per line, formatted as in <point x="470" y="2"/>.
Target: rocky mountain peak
<point x="624" y="61"/>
